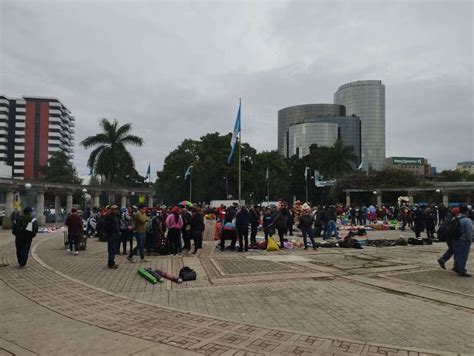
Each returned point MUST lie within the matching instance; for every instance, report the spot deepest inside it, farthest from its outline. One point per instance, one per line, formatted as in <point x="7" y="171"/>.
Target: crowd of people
<point x="155" y="231"/>
<point x="171" y="230"/>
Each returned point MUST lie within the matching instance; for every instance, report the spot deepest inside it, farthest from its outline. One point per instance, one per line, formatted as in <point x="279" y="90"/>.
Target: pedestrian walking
<point x="268" y="226"/>
<point x="462" y="245"/>
<point x="112" y="234"/>
<point x="25" y="230"/>
<point x="197" y="228"/>
<point x="75" y="231"/>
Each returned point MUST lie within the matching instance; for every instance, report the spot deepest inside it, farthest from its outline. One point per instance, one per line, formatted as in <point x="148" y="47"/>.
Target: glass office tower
<point x="366" y="99"/>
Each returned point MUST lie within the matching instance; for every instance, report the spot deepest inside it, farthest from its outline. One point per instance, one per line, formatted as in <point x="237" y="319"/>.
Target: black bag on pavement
<point x="187" y="274"/>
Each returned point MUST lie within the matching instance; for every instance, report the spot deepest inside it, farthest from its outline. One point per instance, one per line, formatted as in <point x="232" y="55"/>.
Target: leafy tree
<point x="110" y="157"/>
<point x="59" y="170"/>
<point x="333" y="162"/>
<point x="455" y="176"/>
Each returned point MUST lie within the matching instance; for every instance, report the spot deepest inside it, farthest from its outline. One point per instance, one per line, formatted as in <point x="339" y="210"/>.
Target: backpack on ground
<point x="187" y="274"/>
<point x="449" y="230"/>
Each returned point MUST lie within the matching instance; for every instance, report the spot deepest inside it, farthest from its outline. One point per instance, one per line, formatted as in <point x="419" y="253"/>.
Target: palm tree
<point x="338" y="160"/>
<point x="111" y="157"/>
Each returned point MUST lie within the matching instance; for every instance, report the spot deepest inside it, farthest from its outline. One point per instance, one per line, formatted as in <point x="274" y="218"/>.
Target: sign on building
<point x="408" y="161"/>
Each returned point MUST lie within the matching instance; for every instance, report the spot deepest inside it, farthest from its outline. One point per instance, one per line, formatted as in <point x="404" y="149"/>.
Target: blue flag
<point x="148" y="171"/>
<point x="236" y="132"/>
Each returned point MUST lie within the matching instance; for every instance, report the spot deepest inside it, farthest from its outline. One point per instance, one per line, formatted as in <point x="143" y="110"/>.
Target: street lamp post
<point x="27" y="187"/>
<point x="84" y="192"/>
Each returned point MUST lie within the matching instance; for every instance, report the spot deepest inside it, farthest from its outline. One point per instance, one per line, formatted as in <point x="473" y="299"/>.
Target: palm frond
<point x="98" y="139"/>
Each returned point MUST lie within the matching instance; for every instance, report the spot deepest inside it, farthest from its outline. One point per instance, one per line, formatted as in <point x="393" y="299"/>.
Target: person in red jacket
<point x="74" y="231"/>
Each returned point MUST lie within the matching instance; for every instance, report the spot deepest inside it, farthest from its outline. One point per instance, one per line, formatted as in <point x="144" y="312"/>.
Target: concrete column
<point x="96" y="201"/>
<point x="411" y="200"/>
<point x="150" y="201"/>
<point x="445" y="199"/>
<point x="68" y="203"/>
<point x="348" y="200"/>
<point x="40" y="208"/>
<point x="9" y="198"/>
<point x="57" y="203"/>
<point x="379" y="199"/>
<point x="123" y="201"/>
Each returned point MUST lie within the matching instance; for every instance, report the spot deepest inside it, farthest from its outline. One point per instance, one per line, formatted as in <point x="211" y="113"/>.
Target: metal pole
<point x="226" y="186"/>
<point x="190" y="185"/>
<point x="240" y="154"/>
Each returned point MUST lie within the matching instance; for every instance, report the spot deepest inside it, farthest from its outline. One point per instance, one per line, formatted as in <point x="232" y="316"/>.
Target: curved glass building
<point x="366" y="99"/>
<point x="297" y="114"/>
<point x="302" y="136"/>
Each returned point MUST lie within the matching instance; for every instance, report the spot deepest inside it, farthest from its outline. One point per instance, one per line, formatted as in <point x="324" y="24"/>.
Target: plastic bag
<point x="272" y="245"/>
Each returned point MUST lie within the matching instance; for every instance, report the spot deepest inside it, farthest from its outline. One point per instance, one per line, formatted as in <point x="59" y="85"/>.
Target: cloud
<point x="176" y="69"/>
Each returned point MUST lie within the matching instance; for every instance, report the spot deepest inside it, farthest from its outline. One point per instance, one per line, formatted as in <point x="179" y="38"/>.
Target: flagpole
<point x="240" y="153"/>
<point x="268" y="186"/>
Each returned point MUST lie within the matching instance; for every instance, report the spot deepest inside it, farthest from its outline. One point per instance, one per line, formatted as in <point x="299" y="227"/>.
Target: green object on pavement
<point x="142" y="272"/>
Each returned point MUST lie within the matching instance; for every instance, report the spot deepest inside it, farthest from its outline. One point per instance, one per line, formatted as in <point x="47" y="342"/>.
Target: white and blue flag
<point x="236" y="132"/>
<point x="188" y="172"/>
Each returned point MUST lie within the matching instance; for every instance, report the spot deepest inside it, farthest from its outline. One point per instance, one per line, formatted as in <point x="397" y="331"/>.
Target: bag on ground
<point x="272" y="245"/>
<point x="187" y="274"/>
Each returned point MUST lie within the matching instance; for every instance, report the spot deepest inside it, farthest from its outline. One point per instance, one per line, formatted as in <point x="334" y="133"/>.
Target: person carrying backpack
<point x="26" y="229"/>
<point x="458" y="235"/>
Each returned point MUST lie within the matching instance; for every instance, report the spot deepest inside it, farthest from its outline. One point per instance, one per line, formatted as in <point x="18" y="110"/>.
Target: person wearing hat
<point x="306" y="222"/>
<point x="112" y="234"/>
<point x="140" y="219"/>
<point x="26" y="230"/>
<point x="75" y="230"/>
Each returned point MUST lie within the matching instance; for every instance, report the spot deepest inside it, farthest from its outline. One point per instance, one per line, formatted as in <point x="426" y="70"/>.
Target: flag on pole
<point x="235" y="133"/>
<point x="188" y="172"/>
<point x="306" y="173"/>
<point x="359" y="167"/>
<point x="148" y="171"/>
<point x="91" y="171"/>
<point x="267" y="175"/>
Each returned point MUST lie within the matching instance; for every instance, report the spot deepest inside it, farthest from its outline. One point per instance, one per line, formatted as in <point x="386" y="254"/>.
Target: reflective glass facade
<point x="366" y="99"/>
<point x="349" y="130"/>
<point x="297" y="114"/>
<point x="302" y="136"/>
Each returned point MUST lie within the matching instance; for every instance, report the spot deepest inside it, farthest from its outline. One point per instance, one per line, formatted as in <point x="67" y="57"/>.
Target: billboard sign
<point x="408" y="161"/>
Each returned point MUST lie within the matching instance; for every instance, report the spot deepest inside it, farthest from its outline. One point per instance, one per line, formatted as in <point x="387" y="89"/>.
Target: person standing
<point x="306" y="222"/>
<point x="125" y="231"/>
<point x="186" y="230"/>
<point x="331" y="227"/>
<point x="26" y="230"/>
<point x="112" y="234"/>
<point x="174" y="224"/>
<point x="75" y="231"/>
<point x="197" y="228"/>
<point x="462" y="245"/>
<point x="419" y="220"/>
<point x="140" y="219"/>
<point x="430" y="215"/>
<point x="254" y="215"/>
<point x="242" y="221"/>
<point x="268" y="227"/>
<point x="281" y="226"/>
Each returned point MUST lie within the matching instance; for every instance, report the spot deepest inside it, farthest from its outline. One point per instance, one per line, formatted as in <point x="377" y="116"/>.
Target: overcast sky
<point x="176" y="69"/>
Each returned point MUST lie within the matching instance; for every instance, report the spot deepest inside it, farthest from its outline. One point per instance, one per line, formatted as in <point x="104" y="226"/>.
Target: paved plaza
<point x="332" y="301"/>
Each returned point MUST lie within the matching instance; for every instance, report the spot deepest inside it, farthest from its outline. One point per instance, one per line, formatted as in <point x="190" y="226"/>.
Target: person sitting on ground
<point x="229" y="232"/>
<point x="75" y="231"/>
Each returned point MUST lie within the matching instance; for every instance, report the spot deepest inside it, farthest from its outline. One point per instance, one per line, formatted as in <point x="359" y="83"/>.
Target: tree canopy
<point x="212" y="178"/>
<point x="110" y="158"/>
<point x="59" y="170"/>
